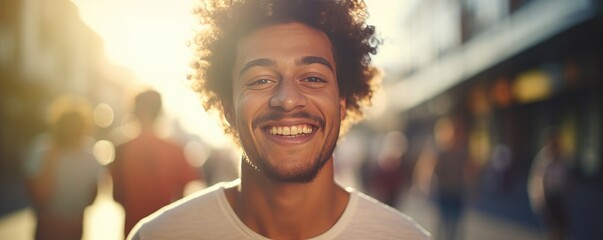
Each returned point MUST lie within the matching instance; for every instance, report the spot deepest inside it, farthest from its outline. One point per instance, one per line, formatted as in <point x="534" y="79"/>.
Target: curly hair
<point x="224" y="22"/>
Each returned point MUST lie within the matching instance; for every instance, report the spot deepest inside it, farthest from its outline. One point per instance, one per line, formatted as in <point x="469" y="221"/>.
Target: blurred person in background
<point x="351" y="156"/>
<point x="221" y="166"/>
<point x="286" y="76"/>
<point x="549" y="185"/>
<point x="390" y="177"/>
<point x="449" y="176"/>
<point x="148" y="172"/>
<point x="62" y="171"/>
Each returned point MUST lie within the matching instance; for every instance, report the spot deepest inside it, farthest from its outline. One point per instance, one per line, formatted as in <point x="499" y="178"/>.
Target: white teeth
<point x="294" y="130"/>
<point x="291" y="131"/>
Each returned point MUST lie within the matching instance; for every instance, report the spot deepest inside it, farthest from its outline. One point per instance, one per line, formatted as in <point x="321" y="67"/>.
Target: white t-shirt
<point x="208" y="215"/>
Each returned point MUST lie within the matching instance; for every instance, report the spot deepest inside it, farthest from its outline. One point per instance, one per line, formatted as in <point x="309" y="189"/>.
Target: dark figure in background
<point x="148" y="172"/>
<point x="287" y="77"/>
<point x="62" y="172"/>
<point x="449" y="177"/>
<point x="391" y="175"/>
<point x="221" y="166"/>
<point x="549" y="183"/>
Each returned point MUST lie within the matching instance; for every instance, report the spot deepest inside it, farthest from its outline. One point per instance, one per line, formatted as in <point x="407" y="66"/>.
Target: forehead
<point x="282" y="41"/>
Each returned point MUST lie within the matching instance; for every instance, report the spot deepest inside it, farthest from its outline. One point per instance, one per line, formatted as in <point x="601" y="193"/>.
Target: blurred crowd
<point x="64" y="166"/>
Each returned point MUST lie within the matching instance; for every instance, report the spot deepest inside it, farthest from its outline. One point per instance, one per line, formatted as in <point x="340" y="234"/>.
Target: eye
<point x="259" y="82"/>
<point x="314" y="80"/>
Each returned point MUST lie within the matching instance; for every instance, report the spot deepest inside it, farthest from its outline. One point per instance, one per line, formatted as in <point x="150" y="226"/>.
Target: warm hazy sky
<point x="148" y="37"/>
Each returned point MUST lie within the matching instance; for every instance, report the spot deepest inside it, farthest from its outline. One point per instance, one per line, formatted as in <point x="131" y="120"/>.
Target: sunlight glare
<point x="104" y="151"/>
<point x="149" y="37"/>
<point x="103" y="115"/>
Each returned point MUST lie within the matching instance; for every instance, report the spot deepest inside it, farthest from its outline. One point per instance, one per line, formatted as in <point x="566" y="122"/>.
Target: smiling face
<point x="286" y="104"/>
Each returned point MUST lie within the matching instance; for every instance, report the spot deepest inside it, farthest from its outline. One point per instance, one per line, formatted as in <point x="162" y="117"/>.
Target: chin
<point x="297" y="174"/>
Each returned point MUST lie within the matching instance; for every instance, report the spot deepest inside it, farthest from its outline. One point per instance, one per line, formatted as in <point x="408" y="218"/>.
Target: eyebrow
<point x="261" y="62"/>
<point x="307" y="60"/>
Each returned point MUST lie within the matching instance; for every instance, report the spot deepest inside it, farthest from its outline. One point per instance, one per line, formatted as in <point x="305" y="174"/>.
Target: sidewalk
<point x="476" y="225"/>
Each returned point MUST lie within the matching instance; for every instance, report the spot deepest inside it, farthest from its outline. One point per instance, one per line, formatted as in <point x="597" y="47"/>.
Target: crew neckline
<point x="331" y="233"/>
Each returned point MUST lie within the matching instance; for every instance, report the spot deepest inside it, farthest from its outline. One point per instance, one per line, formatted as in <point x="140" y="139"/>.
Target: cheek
<point x="246" y="109"/>
<point x="331" y="105"/>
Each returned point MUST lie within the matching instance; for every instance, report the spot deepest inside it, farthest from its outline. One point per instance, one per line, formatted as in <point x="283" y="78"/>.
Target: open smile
<point x="294" y="130"/>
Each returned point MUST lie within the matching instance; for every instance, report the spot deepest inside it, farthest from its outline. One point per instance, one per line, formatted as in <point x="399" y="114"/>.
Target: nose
<point x="287" y="97"/>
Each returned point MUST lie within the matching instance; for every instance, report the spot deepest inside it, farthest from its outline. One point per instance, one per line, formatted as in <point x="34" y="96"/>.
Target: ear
<point x="342" y="108"/>
<point x="229" y="115"/>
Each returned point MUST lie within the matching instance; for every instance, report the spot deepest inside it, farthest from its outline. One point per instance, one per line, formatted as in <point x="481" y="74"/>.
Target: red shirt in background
<point x="149" y="173"/>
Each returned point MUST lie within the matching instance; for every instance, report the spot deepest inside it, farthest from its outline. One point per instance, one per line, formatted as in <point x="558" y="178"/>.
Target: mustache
<point x="276" y="116"/>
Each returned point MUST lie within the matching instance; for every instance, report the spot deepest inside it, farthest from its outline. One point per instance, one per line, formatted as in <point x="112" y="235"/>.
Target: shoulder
<point x="372" y="216"/>
<point x="169" y="146"/>
<point x="34" y="159"/>
<point x="197" y="213"/>
<point x="121" y="149"/>
<point x="86" y="153"/>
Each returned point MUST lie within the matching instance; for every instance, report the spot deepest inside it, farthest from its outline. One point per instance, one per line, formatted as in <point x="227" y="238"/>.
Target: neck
<point x="147" y="127"/>
<point x="288" y="210"/>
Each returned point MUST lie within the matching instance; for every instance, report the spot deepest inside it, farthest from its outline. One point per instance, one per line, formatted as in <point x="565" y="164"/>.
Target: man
<point x="148" y="172"/>
<point x="284" y="75"/>
<point x="62" y="173"/>
<point x="450" y="172"/>
<point x="549" y="185"/>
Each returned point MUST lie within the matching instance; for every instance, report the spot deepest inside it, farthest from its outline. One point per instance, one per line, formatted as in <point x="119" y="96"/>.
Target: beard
<point x="305" y="171"/>
<point x="298" y="174"/>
